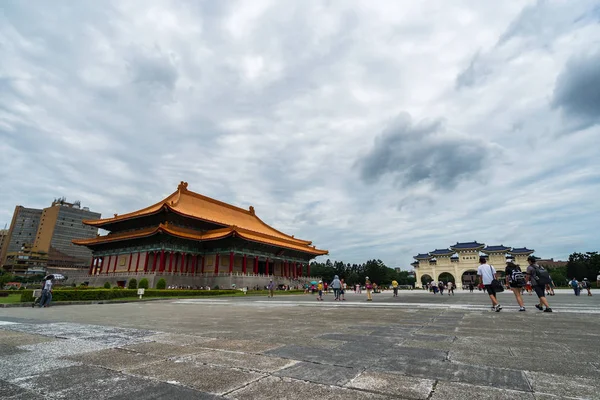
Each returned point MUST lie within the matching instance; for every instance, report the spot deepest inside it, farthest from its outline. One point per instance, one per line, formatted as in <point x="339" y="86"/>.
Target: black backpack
<point x="542" y="276"/>
<point x="517" y="277"/>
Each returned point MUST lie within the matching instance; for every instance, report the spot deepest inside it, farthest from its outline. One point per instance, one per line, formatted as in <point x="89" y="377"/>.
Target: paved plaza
<point x="416" y="346"/>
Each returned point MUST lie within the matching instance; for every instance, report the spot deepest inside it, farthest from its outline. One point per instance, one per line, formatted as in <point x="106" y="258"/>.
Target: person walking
<point x="471" y="287"/>
<point x="271" y="288"/>
<point x="515" y="280"/>
<point x="587" y="286"/>
<point x="343" y="291"/>
<point x="46" y="293"/>
<point x="441" y="287"/>
<point x="575" y="285"/>
<point x="487" y="274"/>
<point x="336" y="285"/>
<point x="368" y="287"/>
<point x="395" y="287"/>
<point x="320" y="289"/>
<point x="450" y="288"/>
<point x="537" y="283"/>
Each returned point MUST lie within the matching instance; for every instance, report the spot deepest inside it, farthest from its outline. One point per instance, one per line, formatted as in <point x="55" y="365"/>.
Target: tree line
<point x="353" y="274"/>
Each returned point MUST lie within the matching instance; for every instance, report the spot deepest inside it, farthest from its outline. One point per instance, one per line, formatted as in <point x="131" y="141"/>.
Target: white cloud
<point x="275" y="104"/>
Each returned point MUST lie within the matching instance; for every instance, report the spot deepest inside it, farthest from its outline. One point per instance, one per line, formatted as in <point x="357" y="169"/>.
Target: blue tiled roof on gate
<point x="422" y="257"/>
<point x="522" y="250"/>
<point x="442" y="252"/>
<point x="467" y="245"/>
<point x="496" y="248"/>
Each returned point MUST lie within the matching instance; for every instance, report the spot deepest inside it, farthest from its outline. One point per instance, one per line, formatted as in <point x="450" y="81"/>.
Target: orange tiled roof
<point x="204" y="208"/>
<point x="195" y="235"/>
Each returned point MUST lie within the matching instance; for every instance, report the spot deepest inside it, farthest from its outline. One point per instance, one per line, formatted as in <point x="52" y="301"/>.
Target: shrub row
<point x="109" y="294"/>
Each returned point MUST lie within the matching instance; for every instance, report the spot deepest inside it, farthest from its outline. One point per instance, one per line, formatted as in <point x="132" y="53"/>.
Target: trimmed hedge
<point x="70" y="294"/>
<point x="110" y="294"/>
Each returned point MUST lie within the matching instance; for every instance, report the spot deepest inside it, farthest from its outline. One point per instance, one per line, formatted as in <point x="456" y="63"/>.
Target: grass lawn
<point x="12" y="298"/>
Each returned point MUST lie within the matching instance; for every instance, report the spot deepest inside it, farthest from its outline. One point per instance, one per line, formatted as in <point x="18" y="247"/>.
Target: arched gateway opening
<point x="469" y="277"/>
<point x="446" y="277"/>
<point x="425" y="279"/>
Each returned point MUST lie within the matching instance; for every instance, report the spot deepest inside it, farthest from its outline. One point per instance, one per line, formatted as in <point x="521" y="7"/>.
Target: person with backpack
<point x="538" y="277"/>
<point x="586" y="285"/>
<point x="575" y="285"/>
<point x="488" y="278"/>
<point x="515" y="279"/>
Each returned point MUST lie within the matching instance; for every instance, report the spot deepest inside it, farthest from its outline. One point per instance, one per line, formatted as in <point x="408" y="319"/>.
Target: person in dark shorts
<point x="487" y="274"/>
<point x="515" y="279"/>
<point x="539" y="289"/>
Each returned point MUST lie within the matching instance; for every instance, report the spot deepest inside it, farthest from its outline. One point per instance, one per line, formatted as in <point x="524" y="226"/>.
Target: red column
<point x="307" y="269"/>
<point x="92" y="266"/>
<point x="231" y="259"/>
<point x="267" y="265"/>
<point x="107" y="263"/>
<point x="137" y="262"/>
<point x="129" y="265"/>
<point x="194" y="263"/>
<point x="285" y="268"/>
<point x="244" y="264"/>
<point x="182" y="263"/>
<point x="154" y="260"/>
<point x="116" y="262"/>
<point x="161" y="268"/>
<point x="255" y="265"/>
<point x="297" y="270"/>
<point x="203" y="264"/>
<point x="216" y="264"/>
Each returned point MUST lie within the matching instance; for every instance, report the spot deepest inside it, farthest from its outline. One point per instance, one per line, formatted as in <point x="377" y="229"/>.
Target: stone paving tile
<point x="345" y="337"/>
<point x="255" y="362"/>
<point x="444" y="346"/>
<point x="6" y="350"/>
<point x="248" y="346"/>
<point x="433" y="338"/>
<point x="460" y="391"/>
<point x="543" y="363"/>
<point x="178" y="339"/>
<point x="393" y="384"/>
<point x="27" y="364"/>
<point x="8" y="389"/>
<point x="163" y="349"/>
<point x="61" y="348"/>
<point x="161" y="390"/>
<point x="73" y="382"/>
<point x="325" y="356"/>
<point x="454" y="372"/>
<point x="115" y="359"/>
<point x="11" y="338"/>
<point x="273" y="388"/>
<point x="563" y="386"/>
<point x="319" y="373"/>
<point x="206" y="378"/>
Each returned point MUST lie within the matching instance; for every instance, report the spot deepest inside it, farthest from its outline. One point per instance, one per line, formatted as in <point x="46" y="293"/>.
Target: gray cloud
<point x="577" y="90"/>
<point x="423" y="152"/>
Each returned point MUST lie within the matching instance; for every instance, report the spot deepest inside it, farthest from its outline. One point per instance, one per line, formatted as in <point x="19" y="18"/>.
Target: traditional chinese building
<point x="192" y="240"/>
<point x="459" y="262"/>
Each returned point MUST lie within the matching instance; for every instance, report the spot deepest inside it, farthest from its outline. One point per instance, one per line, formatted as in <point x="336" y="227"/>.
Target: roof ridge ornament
<point x="182" y="186"/>
<point x="251" y="210"/>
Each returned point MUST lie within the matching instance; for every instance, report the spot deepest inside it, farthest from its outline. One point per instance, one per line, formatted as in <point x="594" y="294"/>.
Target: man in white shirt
<point x="46" y="293"/>
<point x="487" y="274"/>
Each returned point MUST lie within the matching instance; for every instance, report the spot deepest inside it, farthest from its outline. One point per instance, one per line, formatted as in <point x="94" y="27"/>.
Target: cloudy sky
<point x="377" y="129"/>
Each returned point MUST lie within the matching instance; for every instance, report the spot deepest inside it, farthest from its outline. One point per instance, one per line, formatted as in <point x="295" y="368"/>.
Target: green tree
<point x="583" y="265"/>
<point x="106" y="285"/>
<point x="143" y="283"/>
<point x="132" y="284"/>
<point x="161" y="284"/>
